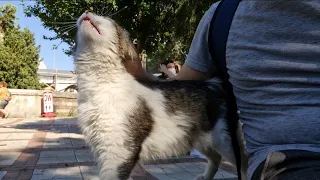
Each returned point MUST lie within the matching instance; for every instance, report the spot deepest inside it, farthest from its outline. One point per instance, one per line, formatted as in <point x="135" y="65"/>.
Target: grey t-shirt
<point x="273" y="59"/>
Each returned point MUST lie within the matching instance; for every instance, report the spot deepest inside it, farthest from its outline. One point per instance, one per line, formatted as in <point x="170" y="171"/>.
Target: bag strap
<point x="218" y="36"/>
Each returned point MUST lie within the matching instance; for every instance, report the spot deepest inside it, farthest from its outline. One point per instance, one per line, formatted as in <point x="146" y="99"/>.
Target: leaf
<point x="163" y="28"/>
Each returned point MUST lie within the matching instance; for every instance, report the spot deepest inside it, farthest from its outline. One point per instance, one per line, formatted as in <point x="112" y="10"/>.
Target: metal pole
<point x="54" y="67"/>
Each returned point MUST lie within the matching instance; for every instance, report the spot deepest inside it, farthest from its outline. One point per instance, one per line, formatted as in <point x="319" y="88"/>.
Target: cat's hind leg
<point x="214" y="160"/>
<point x="117" y="166"/>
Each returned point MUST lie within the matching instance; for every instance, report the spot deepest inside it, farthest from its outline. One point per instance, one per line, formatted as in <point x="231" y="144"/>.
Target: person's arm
<point x="187" y="73"/>
<point x="134" y="67"/>
<point x="199" y="65"/>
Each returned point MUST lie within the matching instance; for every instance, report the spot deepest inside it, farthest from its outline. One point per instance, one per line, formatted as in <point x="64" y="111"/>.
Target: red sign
<point x="47" y="102"/>
<point x="47" y="105"/>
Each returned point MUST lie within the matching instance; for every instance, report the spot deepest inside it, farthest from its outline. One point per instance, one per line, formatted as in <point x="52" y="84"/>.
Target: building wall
<point x="61" y="78"/>
<point x="27" y="103"/>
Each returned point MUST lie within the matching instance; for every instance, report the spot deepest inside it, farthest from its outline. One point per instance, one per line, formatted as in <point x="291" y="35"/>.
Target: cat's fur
<point x="125" y="120"/>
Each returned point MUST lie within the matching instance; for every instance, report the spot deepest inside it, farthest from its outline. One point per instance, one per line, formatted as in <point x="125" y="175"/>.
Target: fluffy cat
<point x="125" y="120"/>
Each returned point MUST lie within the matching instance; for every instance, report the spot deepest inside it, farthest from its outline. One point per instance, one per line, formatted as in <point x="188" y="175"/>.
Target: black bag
<point x="218" y="36"/>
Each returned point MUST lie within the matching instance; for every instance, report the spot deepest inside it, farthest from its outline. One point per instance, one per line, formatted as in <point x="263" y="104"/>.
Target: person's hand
<point x="134" y="67"/>
<point x="163" y="68"/>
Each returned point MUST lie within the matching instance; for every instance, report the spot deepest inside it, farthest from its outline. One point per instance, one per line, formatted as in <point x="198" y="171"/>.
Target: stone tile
<point x="191" y="168"/>
<point x="4" y="136"/>
<point x="53" y="154"/>
<point x="53" y="135"/>
<point x="51" y="157"/>
<point x="34" y="121"/>
<point x="57" y="143"/>
<point x="84" y="159"/>
<point x="8" y="158"/>
<point x="89" y="172"/>
<point x="181" y="176"/>
<point x="20" y="136"/>
<point x="65" y="153"/>
<point x="82" y="152"/>
<point x="76" y="136"/>
<point x="59" y="129"/>
<point x="78" y="142"/>
<point x="170" y="168"/>
<point x="58" y="159"/>
<point x="221" y="174"/>
<point x="11" y="129"/>
<point x="48" y="161"/>
<point x="57" y="174"/>
<point x="173" y="171"/>
<point x="152" y="169"/>
<point x="84" y="156"/>
<point x="66" y="159"/>
<point x="201" y="165"/>
<point x="163" y="177"/>
<point x="2" y="173"/>
<point x="68" y="121"/>
<point x="48" y="154"/>
<point x="8" y="129"/>
<point x="168" y="172"/>
<point x="13" y="144"/>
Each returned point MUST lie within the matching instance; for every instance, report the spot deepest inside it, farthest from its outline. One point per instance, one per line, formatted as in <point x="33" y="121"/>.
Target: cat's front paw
<point x="201" y="177"/>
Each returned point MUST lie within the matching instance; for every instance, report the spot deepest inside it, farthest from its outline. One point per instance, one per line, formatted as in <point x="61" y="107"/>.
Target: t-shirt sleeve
<point x="199" y="57"/>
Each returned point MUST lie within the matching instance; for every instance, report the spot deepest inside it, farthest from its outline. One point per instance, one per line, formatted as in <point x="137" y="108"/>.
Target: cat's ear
<point x="127" y="51"/>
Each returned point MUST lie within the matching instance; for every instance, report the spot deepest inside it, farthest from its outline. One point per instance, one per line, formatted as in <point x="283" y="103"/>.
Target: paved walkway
<point x="41" y="149"/>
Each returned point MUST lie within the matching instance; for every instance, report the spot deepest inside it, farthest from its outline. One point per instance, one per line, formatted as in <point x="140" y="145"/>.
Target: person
<point x="3" y="99"/>
<point x="272" y="57"/>
<point x="275" y="75"/>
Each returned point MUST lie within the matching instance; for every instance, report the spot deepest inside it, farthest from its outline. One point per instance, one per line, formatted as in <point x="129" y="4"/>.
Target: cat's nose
<point x="87" y="11"/>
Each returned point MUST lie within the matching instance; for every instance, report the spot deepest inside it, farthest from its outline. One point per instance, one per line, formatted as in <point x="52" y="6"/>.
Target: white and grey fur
<point x="125" y="120"/>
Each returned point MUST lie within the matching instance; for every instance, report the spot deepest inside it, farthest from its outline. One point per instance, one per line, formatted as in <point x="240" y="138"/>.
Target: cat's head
<point x="103" y="36"/>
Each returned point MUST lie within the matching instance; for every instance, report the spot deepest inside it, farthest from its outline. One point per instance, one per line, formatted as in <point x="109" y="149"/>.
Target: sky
<point x="62" y="61"/>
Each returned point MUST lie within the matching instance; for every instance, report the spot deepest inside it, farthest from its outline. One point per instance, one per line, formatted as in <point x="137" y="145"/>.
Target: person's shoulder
<point x="210" y="12"/>
<point x="213" y="7"/>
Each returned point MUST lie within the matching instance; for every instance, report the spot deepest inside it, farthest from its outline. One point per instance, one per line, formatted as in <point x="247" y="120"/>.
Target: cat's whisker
<point x="72" y="18"/>
<point x="118" y="11"/>
<point x="70" y="29"/>
<point x="108" y="11"/>
<point x="69" y="25"/>
<point x="103" y="10"/>
<point x="67" y="29"/>
<point x="97" y="9"/>
<point x="73" y="22"/>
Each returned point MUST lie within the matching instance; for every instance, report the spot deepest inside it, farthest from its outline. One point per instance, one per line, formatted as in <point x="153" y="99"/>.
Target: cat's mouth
<point x="86" y="19"/>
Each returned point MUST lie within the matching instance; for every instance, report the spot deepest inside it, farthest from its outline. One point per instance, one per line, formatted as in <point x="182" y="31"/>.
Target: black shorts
<point x="289" y="165"/>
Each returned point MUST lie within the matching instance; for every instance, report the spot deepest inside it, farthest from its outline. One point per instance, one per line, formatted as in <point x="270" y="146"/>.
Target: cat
<point x="125" y="120"/>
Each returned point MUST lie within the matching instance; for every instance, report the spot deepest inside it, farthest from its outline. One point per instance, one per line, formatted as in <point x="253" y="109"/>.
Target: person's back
<point x="273" y="59"/>
<point x="3" y="93"/>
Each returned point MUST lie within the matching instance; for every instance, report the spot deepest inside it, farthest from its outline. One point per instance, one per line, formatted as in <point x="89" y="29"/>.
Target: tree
<point x="160" y="28"/>
<point x="19" y="57"/>
<point x="7" y="17"/>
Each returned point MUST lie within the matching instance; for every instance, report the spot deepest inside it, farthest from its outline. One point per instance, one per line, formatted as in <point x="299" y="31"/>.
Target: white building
<point x="58" y="79"/>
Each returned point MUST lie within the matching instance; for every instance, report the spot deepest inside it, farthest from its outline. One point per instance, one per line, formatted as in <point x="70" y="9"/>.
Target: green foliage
<point x="19" y="57"/>
<point x="7" y="17"/>
<point x="164" y="29"/>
